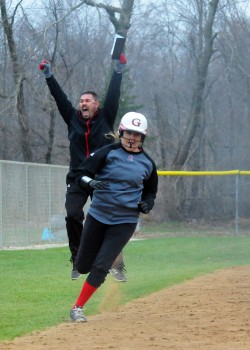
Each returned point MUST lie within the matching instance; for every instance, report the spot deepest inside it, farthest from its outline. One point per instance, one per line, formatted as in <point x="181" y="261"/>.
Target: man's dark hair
<point x="93" y="93"/>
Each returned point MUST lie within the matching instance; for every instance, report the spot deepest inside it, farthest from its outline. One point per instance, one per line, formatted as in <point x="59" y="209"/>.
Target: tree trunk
<point x="194" y="122"/>
<point x="18" y="81"/>
<point x="48" y="156"/>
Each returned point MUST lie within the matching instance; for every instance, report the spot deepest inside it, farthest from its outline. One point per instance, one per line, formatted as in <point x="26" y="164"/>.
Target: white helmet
<point x="134" y="121"/>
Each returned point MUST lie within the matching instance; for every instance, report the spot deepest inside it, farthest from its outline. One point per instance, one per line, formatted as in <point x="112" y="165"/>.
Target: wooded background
<point x="188" y="72"/>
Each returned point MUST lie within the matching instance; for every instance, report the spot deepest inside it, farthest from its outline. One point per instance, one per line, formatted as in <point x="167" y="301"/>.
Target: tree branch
<point x="111" y="10"/>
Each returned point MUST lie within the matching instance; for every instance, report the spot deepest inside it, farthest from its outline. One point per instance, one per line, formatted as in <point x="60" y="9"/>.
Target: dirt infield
<point x="209" y="312"/>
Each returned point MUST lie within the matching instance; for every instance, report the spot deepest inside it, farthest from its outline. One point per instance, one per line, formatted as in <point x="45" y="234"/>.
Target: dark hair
<point x="89" y="92"/>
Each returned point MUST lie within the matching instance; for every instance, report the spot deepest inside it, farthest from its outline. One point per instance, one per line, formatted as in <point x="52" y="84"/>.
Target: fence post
<point x="1" y="207"/>
<point x="50" y="200"/>
<point x="237" y="194"/>
<point x="27" y="202"/>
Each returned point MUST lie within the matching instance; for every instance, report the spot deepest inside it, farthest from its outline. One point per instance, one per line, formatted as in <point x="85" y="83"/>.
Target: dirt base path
<point x="210" y="312"/>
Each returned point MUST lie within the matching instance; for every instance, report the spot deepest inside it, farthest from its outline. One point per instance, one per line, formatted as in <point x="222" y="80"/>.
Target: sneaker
<point x="75" y="274"/>
<point x="118" y="273"/>
<point x="76" y="315"/>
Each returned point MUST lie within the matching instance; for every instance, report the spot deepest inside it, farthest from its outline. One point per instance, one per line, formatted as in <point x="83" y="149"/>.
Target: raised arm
<point x="111" y="102"/>
<point x="63" y="104"/>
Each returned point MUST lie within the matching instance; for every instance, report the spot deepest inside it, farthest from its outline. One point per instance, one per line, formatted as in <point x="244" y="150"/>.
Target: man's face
<point x="88" y="106"/>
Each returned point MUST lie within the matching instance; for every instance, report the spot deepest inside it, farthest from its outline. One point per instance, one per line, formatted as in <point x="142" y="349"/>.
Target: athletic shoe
<point x="76" y="315"/>
<point x="75" y="274"/>
<point x="118" y="273"/>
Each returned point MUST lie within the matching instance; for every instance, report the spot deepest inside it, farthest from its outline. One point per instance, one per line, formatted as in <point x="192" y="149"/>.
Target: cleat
<point x="118" y="273"/>
<point x="75" y="274"/>
<point x="76" y="315"/>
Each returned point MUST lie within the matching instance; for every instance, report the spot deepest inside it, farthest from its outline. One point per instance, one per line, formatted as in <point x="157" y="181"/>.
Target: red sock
<point x="86" y="292"/>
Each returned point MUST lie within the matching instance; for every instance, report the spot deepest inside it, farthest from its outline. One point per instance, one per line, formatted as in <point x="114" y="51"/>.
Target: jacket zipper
<point x="87" y="138"/>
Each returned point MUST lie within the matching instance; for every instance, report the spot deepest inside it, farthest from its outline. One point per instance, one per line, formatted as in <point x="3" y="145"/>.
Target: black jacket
<point x="87" y="135"/>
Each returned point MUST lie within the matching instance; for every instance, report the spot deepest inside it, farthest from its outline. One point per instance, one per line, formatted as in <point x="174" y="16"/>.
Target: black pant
<point x="100" y="245"/>
<point x="75" y="200"/>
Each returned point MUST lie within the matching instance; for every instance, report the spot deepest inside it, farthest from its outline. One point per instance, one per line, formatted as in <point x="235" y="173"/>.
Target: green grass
<point x="196" y="228"/>
<point x="36" y="291"/>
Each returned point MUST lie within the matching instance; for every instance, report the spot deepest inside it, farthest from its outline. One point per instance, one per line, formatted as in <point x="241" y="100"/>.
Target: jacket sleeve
<point x="91" y="166"/>
<point x="150" y="188"/>
<point x="111" y="102"/>
<point x="63" y="104"/>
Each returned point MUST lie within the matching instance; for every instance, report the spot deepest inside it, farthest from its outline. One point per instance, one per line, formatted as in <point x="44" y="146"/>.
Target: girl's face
<point x="131" y="140"/>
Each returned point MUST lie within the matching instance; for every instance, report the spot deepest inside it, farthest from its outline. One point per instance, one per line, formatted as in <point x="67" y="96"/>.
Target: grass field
<point x="36" y="291"/>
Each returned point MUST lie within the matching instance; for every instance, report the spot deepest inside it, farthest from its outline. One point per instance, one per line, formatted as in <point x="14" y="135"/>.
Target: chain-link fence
<point x="202" y="202"/>
<point x="31" y="203"/>
<point x="32" y="200"/>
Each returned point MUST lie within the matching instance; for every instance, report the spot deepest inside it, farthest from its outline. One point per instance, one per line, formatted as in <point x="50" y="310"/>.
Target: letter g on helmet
<point x="135" y="122"/>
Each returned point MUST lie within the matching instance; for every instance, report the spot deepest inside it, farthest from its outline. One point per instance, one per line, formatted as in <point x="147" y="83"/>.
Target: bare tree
<point x="124" y="12"/>
<point x="205" y="52"/>
<point x="120" y="19"/>
<point x="51" y="104"/>
<point x="19" y="78"/>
